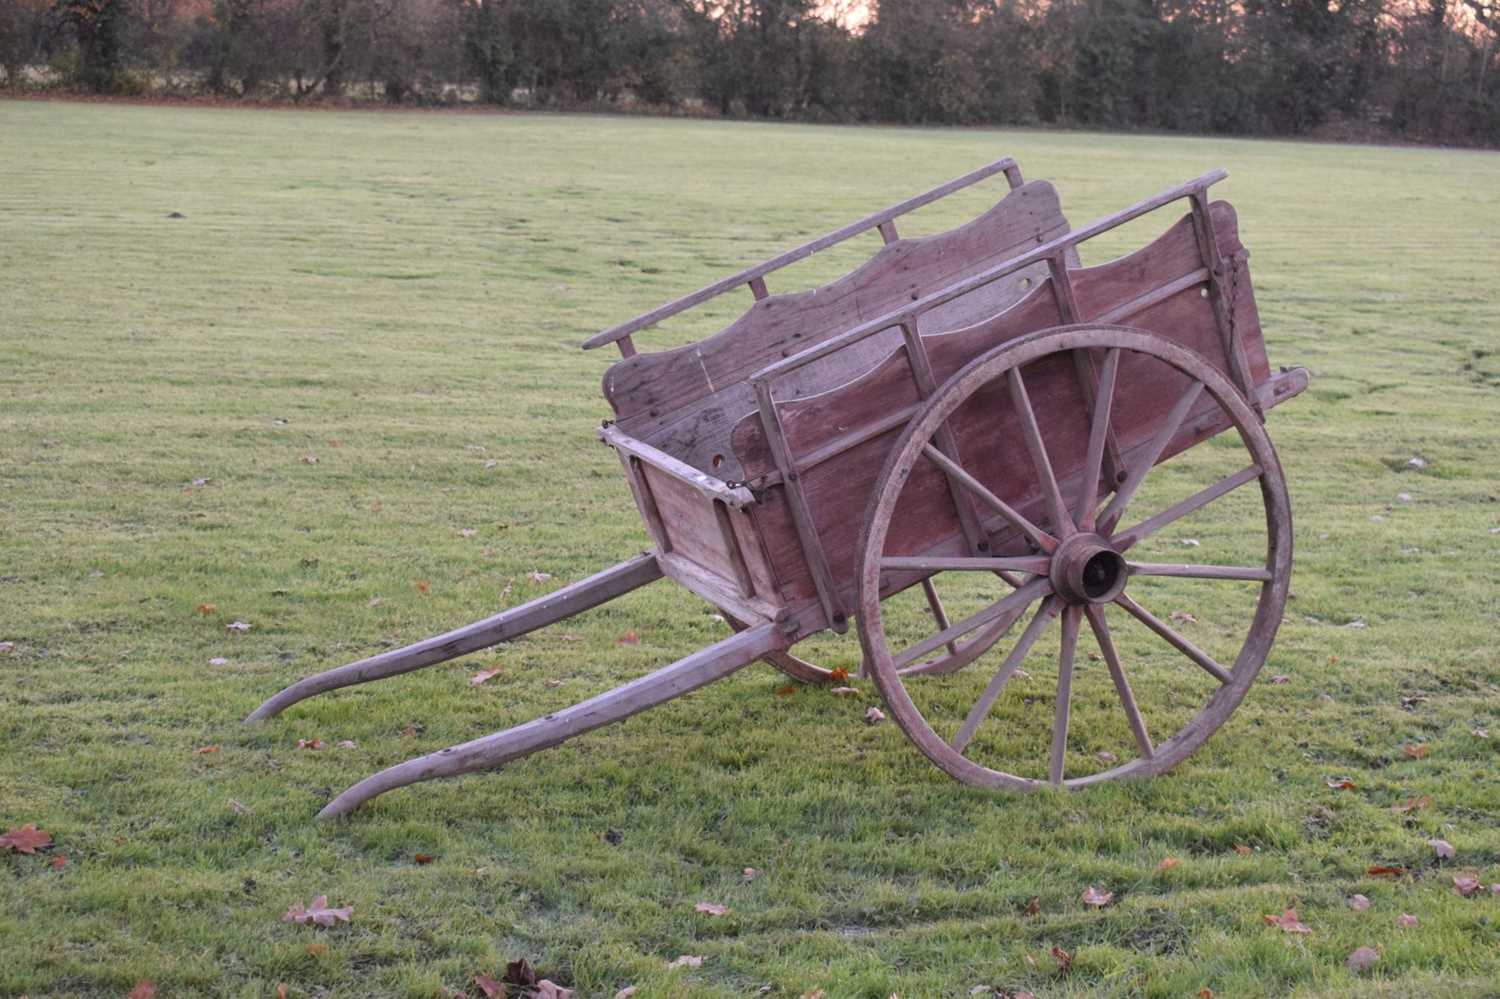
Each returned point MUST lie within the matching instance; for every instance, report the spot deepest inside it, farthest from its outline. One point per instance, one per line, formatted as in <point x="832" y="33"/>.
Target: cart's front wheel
<point x="1073" y="466"/>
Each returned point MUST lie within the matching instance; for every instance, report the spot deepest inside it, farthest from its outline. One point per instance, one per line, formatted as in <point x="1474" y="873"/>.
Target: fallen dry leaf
<point x="1361" y="959"/>
<point x="844" y="691"/>
<point x="467" y="532"/>
<point x="815" y="994"/>
<point x="239" y="626"/>
<point x="207" y="609"/>
<point x="1414" y="750"/>
<point x="1034" y="906"/>
<point x="316" y="949"/>
<point x="59" y="862"/>
<point x="1105" y="756"/>
<point x="838" y="674"/>
<point x="1183" y="617"/>
<point x="375" y="601"/>
<point x="25" y="839"/>
<point x="1167" y="863"/>
<point x="1064" y="959"/>
<point x="1406" y="921"/>
<point x="309" y="459"/>
<point x="142" y="990"/>
<point x="520" y="972"/>
<point x="1343" y="784"/>
<point x="874" y="716"/>
<point x="786" y="691"/>
<point x="423" y="858"/>
<point x="240" y="809"/>
<point x="1466" y="885"/>
<point x="626" y="993"/>
<point x="711" y="909"/>
<point x="6" y="648"/>
<point x="1386" y="871"/>
<point x="483" y="675"/>
<point x="1480" y="733"/>
<point x="552" y="684"/>
<point x="423" y="586"/>
<point x="1281" y="678"/>
<point x="548" y="989"/>
<point x="686" y="961"/>
<point x="218" y="661"/>
<point x="205" y="750"/>
<point x="1093" y="896"/>
<point x="314" y="744"/>
<point x="348" y="744"/>
<point x="281" y="991"/>
<point x="1442" y="848"/>
<point x="489" y="986"/>
<point x="1358" y="903"/>
<point x="629" y="638"/>
<point x="410" y="731"/>
<point x="1243" y="850"/>
<point x="538" y="577"/>
<point x="319" y="913"/>
<point x="1288" y="922"/>
<point x="751" y="873"/>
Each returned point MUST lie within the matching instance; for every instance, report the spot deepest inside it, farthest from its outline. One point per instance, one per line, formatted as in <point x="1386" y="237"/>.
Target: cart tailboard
<point x="685" y="401"/>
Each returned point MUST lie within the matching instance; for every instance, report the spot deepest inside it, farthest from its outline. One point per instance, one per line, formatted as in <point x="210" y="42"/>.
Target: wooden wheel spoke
<point x="939" y="613"/>
<point x="981" y="708"/>
<point x="1173" y="423"/>
<point x="1125" y="539"/>
<point x="1254" y="573"/>
<point x="1014" y="603"/>
<point x="1035" y="565"/>
<point x="1062" y="521"/>
<point x="1122" y="685"/>
<point x="1173" y="638"/>
<point x="1070" y="622"/>
<point x="1093" y="462"/>
<point x="1043" y="540"/>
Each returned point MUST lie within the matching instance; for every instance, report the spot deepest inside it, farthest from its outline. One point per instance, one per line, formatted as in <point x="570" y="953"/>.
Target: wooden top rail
<point x="755" y="276"/>
<point x="909" y="313"/>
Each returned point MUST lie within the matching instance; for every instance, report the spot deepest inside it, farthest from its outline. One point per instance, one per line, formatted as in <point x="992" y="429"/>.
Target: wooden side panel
<point x="686" y="401"/>
<point x="990" y="440"/>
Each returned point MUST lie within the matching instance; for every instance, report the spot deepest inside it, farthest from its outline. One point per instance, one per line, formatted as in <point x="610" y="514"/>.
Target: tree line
<point x="1420" y="70"/>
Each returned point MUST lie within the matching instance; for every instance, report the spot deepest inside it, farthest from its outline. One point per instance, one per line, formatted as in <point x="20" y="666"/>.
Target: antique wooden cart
<point x="974" y="404"/>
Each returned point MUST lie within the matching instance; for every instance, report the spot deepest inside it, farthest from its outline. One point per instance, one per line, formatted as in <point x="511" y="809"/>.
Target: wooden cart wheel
<point x="1079" y="558"/>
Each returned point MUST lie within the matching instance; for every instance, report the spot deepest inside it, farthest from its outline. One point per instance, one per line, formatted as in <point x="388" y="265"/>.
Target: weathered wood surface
<point x="682" y="677"/>
<point x="571" y="599"/>
<point x="686" y="401"/>
<point x="870" y="409"/>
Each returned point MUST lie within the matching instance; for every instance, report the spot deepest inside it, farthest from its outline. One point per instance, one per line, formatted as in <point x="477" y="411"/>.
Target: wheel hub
<point x="1086" y="570"/>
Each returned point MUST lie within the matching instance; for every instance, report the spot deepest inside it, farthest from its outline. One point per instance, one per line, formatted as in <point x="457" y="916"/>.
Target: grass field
<point x="401" y="297"/>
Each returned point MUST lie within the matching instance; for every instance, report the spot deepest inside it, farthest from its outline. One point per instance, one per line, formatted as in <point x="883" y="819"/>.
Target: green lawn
<point x="400" y="296"/>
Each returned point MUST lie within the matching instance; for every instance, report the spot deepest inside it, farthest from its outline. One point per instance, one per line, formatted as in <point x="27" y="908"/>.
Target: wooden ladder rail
<point x="754" y="277"/>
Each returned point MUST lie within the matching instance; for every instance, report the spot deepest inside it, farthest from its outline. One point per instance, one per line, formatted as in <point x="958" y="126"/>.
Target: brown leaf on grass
<point x="1288" y="922"/>
<point x="711" y="909"/>
<point x="1412" y="804"/>
<point x="348" y="744"/>
<point x="320" y="913"/>
<point x="751" y="873"/>
<point x="627" y="992"/>
<point x="1442" y="848"/>
<point x="1480" y="733"/>
<point x="874" y="716"/>
<point x="1359" y="903"/>
<point x="424" y="858"/>
<point x="1183" y="617"/>
<point x="467" y="532"/>
<point x="1361" y="959"/>
<point x="240" y="809"/>
<point x="1406" y="921"/>
<point x="1467" y="885"/>
<point x="1343" y="784"/>
<point x="1243" y="850"/>
<point x="218" y="661"/>
<point x="1414" y="750"/>
<point x="1205" y="994"/>
<point x="313" y="744"/>
<point x="1064" y="959"/>
<point x="538" y="577"/>
<point x="686" y="961"/>
<point x="1105" y="756"/>
<point x="1093" y="896"/>
<point x="207" y="609"/>
<point x="483" y="675"/>
<point x="844" y="691"/>
<point x="375" y="601"/>
<point x="423" y="586"/>
<point x="629" y="638"/>
<point x="1281" y="678"/>
<point x="25" y="839"/>
<point x="489" y="986"/>
<point x="239" y="626"/>
<point x="1034" y="906"/>
<point x="59" y="862"/>
<point x="410" y="732"/>
<point x="1386" y="871"/>
<point x="309" y="459"/>
<point x="205" y="750"/>
<point x="786" y="691"/>
<point x="838" y="674"/>
<point x="1167" y="863"/>
<point x="813" y="994"/>
<point x="280" y="991"/>
<point x="142" y="990"/>
<point x="6" y="648"/>
<point x="548" y="989"/>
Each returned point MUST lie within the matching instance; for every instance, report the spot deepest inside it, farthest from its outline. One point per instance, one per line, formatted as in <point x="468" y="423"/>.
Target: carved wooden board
<point x="686" y="401"/>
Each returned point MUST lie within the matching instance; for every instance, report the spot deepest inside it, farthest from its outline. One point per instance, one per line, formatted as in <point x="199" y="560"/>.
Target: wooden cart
<point x="975" y="405"/>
